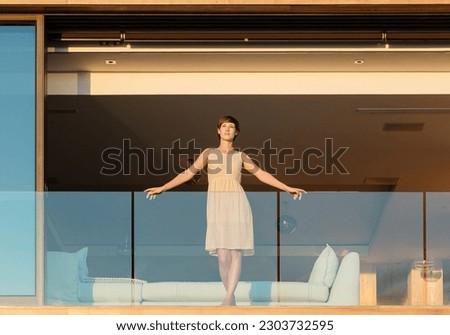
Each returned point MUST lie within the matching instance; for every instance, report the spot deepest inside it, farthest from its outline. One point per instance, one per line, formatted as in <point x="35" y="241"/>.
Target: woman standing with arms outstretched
<point x="229" y="233"/>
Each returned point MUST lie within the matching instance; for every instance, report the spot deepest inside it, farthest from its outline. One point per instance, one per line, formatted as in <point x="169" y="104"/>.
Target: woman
<point x="229" y="233"/>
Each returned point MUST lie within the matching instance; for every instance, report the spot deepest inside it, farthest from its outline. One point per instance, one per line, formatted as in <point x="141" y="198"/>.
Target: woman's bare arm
<point x="268" y="179"/>
<point x="181" y="178"/>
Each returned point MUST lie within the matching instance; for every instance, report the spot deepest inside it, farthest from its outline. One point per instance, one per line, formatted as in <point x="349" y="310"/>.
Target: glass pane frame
<point x="39" y="82"/>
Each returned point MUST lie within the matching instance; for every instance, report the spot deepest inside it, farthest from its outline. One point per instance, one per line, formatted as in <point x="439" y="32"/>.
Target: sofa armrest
<point x="106" y="280"/>
<point x="110" y="290"/>
<point x="345" y="289"/>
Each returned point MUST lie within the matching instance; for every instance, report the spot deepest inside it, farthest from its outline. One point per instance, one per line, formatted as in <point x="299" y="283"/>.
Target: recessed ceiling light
<point x="110" y="61"/>
<point x="359" y="61"/>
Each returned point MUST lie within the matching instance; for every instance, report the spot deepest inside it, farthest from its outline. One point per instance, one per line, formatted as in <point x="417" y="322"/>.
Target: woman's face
<point x="227" y="131"/>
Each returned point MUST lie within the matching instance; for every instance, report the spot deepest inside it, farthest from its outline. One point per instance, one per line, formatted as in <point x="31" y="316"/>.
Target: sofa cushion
<point x="185" y="291"/>
<point x="345" y="290"/>
<point x="325" y="268"/>
<point x="257" y="293"/>
<point x="284" y="292"/>
<point x="63" y="272"/>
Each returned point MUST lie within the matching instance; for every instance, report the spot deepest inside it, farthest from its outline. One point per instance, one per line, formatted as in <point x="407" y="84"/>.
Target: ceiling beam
<point x="368" y="7"/>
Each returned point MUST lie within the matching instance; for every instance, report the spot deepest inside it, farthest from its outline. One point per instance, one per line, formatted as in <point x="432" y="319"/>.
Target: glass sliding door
<point x="18" y="178"/>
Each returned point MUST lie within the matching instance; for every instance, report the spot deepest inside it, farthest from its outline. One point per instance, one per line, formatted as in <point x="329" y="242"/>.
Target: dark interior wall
<point x="130" y="142"/>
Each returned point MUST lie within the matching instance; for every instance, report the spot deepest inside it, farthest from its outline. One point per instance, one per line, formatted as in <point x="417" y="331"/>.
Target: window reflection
<point x="17" y="157"/>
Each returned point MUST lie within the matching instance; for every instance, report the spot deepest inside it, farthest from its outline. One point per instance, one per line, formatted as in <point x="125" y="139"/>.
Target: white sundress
<point x="229" y="215"/>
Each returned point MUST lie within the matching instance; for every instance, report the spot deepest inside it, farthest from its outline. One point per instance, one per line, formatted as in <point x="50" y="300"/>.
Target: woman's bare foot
<point x="229" y="301"/>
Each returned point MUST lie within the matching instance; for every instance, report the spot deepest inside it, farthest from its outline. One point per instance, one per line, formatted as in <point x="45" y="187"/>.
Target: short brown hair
<point x="230" y="119"/>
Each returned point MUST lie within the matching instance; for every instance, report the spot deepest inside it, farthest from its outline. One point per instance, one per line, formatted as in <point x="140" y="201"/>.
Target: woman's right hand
<point x="152" y="192"/>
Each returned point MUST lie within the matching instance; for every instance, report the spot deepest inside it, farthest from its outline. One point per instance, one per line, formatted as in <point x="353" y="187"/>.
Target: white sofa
<point x="330" y="283"/>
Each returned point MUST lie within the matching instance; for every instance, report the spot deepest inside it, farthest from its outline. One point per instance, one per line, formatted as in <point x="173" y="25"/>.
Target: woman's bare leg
<point x="230" y="262"/>
<point x="224" y="258"/>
